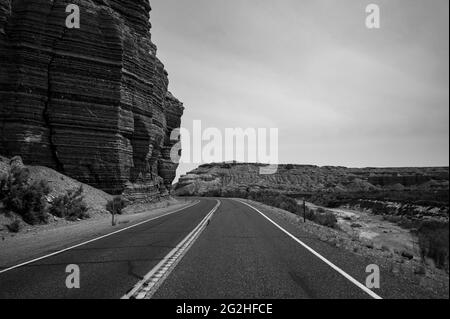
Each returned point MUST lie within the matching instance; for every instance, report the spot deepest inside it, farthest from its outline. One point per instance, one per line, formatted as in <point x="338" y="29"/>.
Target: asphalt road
<point x="109" y="267"/>
<point x="240" y="254"/>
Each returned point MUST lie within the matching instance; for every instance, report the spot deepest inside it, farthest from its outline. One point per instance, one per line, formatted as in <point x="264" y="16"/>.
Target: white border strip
<point x="329" y="263"/>
<point x="95" y="239"/>
<point x="145" y="288"/>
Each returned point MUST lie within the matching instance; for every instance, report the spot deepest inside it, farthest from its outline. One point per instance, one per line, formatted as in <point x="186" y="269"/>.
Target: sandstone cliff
<point x="92" y="103"/>
<point x="240" y="179"/>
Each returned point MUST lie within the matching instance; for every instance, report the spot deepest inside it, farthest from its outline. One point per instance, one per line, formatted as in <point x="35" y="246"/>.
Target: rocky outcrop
<point x="241" y="180"/>
<point x="93" y="102"/>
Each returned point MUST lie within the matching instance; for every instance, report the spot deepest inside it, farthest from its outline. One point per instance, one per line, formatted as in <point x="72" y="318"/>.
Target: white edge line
<point x="329" y="263"/>
<point x="95" y="239"/>
<point x="155" y="269"/>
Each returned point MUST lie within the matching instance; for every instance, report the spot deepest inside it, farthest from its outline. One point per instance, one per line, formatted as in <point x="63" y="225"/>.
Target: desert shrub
<point x="310" y="214"/>
<point x="378" y="208"/>
<point x="321" y="217"/>
<point x="326" y="219"/>
<point x="116" y="205"/>
<point x="434" y="242"/>
<point x="277" y="200"/>
<point x="70" y="205"/>
<point x="320" y="210"/>
<point x="433" y="198"/>
<point x="14" y="227"/>
<point x="23" y="197"/>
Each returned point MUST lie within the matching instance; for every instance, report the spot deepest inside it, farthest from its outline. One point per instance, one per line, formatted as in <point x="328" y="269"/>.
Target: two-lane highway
<point x="243" y="255"/>
<point x="239" y="254"/>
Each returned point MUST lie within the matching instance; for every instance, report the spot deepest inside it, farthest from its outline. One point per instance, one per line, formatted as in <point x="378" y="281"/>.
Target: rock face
<point x="93" y="102"/>
<point x="241" y="180"/>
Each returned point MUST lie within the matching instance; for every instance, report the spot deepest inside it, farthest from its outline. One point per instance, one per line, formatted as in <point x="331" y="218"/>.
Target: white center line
<point x="145" y="288"/>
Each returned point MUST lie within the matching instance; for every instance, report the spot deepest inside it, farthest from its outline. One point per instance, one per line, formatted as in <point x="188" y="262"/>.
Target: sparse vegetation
<point x="23" y="197"/>
<point x="433" y="234"/>
<point x="423" y="212"/>
<point x="435" y="198"/>
<point x="29" y="200"/>
<point x="115" y="207"/>
<point x="14" y="227"/>
<point x="434" y="242"/>
<point x="70" y="205"/>
<point x="322" y="217"/>
<point x="276" y="200"/>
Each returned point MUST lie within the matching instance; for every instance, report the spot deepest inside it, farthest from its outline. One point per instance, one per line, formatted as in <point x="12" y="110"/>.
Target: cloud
<point x="339" y="93"/>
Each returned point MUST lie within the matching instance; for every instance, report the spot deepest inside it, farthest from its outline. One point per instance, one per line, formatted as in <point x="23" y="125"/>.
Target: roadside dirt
<point x="373" y="229"/>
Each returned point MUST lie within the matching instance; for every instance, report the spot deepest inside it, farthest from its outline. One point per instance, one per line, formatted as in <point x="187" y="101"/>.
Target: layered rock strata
<point x="92" y="102"/>
<point x="241" y="179"/>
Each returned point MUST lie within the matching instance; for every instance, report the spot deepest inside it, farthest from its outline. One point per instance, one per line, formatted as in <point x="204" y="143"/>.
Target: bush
<point x="116" y="205"/>
<point x="277" y="200"/>
<point x="320" y="210"/>
<point x="434" y="242"/>
<point x="322" y="217"/>
<point x="70" y="205"/>
<point x="14" y="227"/>
<point x="432" y="198"/>
<point x="326" y="219"/>
<point x="25" y="198"/>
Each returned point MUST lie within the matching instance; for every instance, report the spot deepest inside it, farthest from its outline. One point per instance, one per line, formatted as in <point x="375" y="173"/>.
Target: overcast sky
<point x="340" y="94"/>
